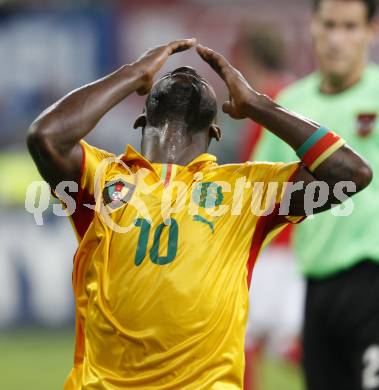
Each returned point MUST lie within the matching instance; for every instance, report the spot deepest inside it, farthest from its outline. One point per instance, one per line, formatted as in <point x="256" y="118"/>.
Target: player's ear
<point x="214" y="132"/>
<point x="140" y="121"/>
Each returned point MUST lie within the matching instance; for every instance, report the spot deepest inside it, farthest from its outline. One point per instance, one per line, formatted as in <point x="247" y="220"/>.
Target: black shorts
<point x="341" y="330"/>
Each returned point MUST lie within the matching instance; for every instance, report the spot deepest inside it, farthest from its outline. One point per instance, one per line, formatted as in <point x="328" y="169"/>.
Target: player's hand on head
<point x="181" y="45"/>
<point x="240" y="91"/>
<point x="151" y="62"/>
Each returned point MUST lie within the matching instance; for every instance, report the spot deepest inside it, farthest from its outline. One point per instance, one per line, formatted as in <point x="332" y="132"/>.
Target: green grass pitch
<point x="41" y="360"/>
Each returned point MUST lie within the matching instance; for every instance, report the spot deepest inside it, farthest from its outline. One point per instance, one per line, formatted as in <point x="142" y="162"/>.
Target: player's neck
<point x="172" y="144"/>
<point x="331" y="85"/>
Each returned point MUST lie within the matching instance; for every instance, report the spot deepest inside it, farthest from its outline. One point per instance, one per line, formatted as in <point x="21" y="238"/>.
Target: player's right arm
<point x="53" y="138"/>
<point x="338" y="164"/>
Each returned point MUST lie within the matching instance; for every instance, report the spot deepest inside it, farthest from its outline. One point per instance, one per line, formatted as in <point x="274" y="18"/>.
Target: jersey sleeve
<point x="92" y="157"/>
<point x="268" y="193"/>
<point x="83" y="215"/>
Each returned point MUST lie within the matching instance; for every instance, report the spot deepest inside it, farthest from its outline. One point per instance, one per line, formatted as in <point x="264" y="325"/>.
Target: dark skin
<point x="54" y="137"/>
<point x="177" y="144"/>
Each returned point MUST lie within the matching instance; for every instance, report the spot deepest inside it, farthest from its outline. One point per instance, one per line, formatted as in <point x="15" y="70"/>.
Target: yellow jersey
<point x="163" y="267"/>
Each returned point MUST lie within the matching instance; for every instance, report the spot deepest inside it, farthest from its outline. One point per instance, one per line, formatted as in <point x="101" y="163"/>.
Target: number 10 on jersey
<point x="143" y="240"/>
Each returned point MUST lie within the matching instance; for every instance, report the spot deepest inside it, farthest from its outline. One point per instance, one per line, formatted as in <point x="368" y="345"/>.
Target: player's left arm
<point x="344" y="164"/>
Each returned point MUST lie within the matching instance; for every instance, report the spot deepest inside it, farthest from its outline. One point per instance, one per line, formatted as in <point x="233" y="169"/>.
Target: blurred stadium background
<point x="48" y="48"/>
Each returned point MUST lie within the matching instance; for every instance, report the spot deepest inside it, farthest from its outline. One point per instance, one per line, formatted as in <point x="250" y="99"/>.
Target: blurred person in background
<point x="340" y="256"/>
<point x="172" y="317"/>
<point x="277" y="290"/>
<point x="261" y="55"/>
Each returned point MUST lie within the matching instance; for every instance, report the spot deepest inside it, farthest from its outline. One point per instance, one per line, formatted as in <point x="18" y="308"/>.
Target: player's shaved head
<point x="182" y="96"/>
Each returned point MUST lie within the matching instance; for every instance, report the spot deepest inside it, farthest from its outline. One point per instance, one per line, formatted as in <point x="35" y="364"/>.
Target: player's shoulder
<point x="264" y="167"/>
<point x="95" y="151"/>
<point x="227" y="170"/>
<point x="373" y="70"/>
<point x="250" y="169"/>
<point x="298" y="89"/>
<point x="372" y="77"/>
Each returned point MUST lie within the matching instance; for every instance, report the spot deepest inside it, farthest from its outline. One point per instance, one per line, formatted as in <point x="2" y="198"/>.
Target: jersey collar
<point x="132" y="155"/>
